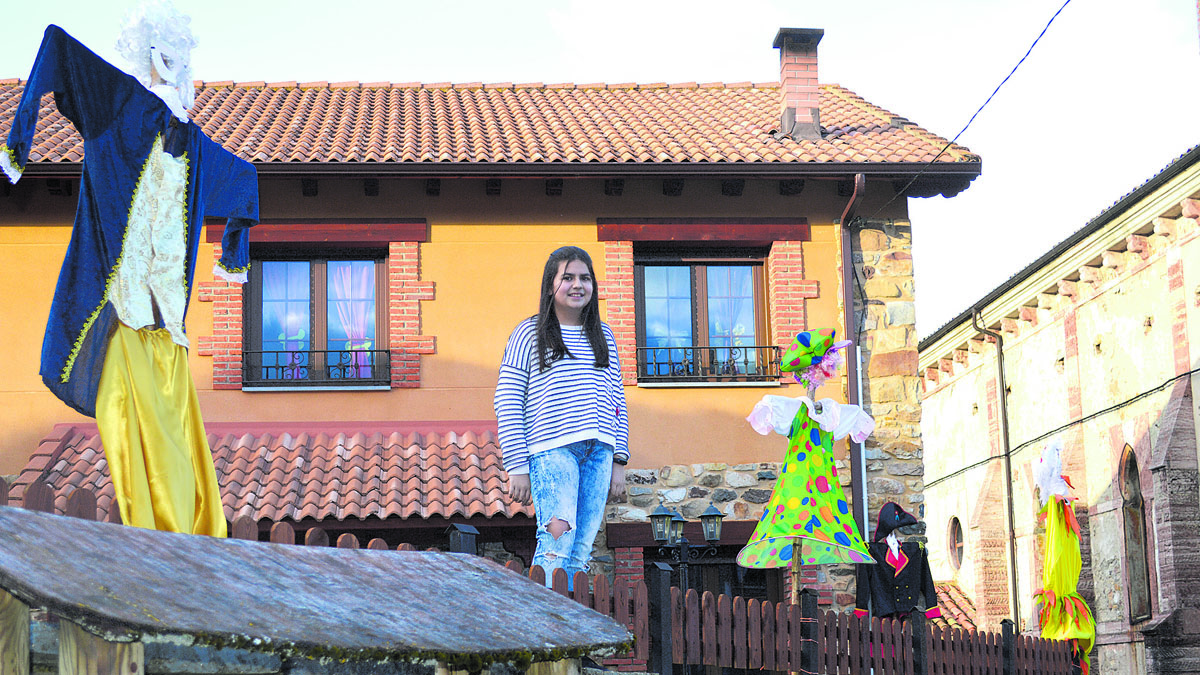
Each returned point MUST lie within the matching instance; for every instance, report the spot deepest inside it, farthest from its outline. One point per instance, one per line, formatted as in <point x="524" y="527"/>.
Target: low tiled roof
<point x="957" y="609"/>
<point x="401" y="472"/>
<point x="529" y="124"/>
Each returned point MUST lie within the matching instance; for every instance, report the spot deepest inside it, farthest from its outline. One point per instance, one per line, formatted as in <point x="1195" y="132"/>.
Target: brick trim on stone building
<point x="1125" y="258"/>
<point x="986" y="537"/>
<point x="225" y="343"/>
<point x="788" y="291"/>
<point x="621" y="314"/>
<point x="405" y="292"/>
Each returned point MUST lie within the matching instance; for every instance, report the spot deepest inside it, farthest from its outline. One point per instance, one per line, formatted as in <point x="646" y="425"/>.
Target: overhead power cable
<point x="968" y="124"/>
<point x="1073" y="423"/>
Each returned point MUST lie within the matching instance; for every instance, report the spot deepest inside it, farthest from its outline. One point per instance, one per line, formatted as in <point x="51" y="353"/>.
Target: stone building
<point x="1096" y="344"/>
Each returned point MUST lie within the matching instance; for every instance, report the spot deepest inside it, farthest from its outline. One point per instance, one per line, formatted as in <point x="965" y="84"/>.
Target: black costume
<point x="892" y="587"/>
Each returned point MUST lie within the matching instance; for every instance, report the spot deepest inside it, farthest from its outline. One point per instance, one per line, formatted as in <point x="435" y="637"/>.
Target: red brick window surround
<point x="617" y="291"/>
<point x="778" y="268"/>
<point x="788" y="290"/>
<point x="395" y="242"/>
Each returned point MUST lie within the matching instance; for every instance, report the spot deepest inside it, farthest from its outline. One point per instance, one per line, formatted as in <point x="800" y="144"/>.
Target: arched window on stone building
<point x="1133" y="512"/>
<point x="955" y="542"/>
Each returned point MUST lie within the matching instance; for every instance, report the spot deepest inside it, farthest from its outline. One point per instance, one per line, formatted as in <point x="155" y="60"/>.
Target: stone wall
<point x="885" y="310"/>
<point x="891" y="384"/>
<point x="739" y="491"/>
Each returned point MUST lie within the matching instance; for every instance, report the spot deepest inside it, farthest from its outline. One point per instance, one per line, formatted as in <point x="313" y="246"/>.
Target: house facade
<point x="404" y="228"/>
<point x="1095" y="338"/>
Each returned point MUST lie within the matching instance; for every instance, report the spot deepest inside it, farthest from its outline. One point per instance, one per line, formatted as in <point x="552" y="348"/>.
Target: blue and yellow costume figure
<point x="148" y="182"/>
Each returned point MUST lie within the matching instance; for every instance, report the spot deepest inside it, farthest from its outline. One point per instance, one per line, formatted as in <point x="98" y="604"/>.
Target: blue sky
<point x="1105" y="101"/>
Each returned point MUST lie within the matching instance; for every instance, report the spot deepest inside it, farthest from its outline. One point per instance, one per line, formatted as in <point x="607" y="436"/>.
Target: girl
<point x="560" y="404"/>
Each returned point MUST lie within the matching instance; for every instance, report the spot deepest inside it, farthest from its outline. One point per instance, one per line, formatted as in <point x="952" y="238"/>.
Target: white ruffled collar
<point x="839" y="419"/>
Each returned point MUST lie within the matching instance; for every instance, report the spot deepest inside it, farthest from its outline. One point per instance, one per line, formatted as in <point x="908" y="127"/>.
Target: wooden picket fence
<point x="760" y="635"/>
<point x="672" y="627"/>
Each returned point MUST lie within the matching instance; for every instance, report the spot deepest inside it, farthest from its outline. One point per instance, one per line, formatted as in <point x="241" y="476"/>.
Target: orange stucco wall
<point x="484" y="256"/>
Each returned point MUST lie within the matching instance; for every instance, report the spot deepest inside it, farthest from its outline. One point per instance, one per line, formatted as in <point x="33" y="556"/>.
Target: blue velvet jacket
<point x="119" y="120"/>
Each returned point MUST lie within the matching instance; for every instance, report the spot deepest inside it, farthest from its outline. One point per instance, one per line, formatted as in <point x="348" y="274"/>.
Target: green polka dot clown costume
<point x="808" y="506"/>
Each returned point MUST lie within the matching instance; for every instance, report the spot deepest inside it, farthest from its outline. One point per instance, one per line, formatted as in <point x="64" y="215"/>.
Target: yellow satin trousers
<point x="149" y="421"/>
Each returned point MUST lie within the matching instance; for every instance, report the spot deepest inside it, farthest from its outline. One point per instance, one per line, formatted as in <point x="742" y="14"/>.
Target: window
<point x="955" y="543"/>
<point x="702" y="318"/>
<point x="316" y="322"/>
<point x="1134" y="515"/>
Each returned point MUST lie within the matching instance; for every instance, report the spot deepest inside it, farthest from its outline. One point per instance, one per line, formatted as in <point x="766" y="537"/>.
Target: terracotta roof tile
<point x="957" y="609"/>
<point x="276" y="476"/>
<point x="444" y="122"/>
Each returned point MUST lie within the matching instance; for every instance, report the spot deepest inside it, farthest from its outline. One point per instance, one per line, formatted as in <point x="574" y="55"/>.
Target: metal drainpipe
<point x="858" y="464"/>
<point x="976" y="316"/>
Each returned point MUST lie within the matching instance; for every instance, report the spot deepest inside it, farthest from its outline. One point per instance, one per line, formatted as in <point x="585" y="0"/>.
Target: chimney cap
<point x="804" y="36"/>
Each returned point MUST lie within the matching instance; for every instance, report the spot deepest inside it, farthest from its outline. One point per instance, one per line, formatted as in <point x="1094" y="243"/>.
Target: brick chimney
<point x="800" y="107"/>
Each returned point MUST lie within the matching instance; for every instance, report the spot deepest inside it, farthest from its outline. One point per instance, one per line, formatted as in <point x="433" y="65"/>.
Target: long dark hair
<point x="550" y="344"/>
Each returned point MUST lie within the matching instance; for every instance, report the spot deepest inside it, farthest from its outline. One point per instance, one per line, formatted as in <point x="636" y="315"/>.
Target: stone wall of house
<point x="891" y="383"/>
<point x="885" y="308"/>
<point x="739" y="491"/>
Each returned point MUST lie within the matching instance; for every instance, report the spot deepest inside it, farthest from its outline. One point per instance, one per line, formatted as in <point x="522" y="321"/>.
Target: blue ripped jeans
<point x="570" y="483"/>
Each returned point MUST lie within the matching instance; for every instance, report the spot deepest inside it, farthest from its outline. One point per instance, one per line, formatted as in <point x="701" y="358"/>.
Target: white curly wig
<point x="1047" y="473"/>
<point x="156" y="23"/>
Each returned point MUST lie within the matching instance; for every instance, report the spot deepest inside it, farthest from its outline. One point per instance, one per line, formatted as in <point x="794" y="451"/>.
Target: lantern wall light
<point x="667" y="527"/>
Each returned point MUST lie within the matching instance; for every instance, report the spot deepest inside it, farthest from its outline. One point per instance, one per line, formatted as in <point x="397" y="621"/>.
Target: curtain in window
<point x="731" y="319"/>
<point x="351" y="318"/>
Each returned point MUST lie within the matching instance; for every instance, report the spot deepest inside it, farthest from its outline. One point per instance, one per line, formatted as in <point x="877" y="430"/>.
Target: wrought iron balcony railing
<point x="758" y="363"/>
<point x="311" y="368"/>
